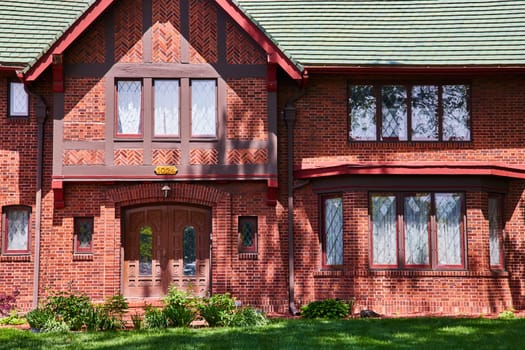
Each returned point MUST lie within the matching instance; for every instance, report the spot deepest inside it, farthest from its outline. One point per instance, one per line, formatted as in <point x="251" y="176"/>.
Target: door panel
<point x="165" y="245"/>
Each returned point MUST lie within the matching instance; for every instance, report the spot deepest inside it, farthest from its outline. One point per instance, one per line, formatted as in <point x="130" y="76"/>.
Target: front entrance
<point x="166" y="245"/>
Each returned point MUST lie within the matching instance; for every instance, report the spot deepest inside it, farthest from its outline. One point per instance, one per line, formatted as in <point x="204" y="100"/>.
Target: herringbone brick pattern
<point x="248" y="156"/>
<point x="203" y="32"/>
<point x="240" y="49"/>
<point x="83" y="157"/>
<point x="204" y="157"/>
<point x="128" y="157"/>
<point x="166" y="31"/>
<point x="128" y="31"/>
<point x="166" y="156"/>
<point x="247" y="111"/>
<point x="89" y="48"/>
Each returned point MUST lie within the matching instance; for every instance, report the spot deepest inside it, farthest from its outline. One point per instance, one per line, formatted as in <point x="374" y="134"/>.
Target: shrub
<point x="507" y="315"/>
<point x="154" y="318"/>
<point x="55" y="326"/>
<point x="37" y="318"/>
<point x="246" y="317"/>
<point x="136" y="319"/>
<point x="7" y="302"/>
<point x="12" y="319"/>
<point x="217" y="308"/>
<point x="70" y="308"/>
<point x="328" y="309"/>
<point x="180" y="308"/>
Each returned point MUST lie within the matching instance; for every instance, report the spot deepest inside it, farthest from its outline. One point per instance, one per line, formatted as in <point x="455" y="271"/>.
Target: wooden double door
<point x="165" y="245"/>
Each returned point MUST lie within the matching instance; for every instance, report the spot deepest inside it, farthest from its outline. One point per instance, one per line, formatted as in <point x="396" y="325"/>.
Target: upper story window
<point x="332" y="231"/>
<point x="15" y="230"/>
<point x="168" y="116"/>
<point x="409" y="113"/>
<point x="18" y="100"/>
<point x="417" y="230"/>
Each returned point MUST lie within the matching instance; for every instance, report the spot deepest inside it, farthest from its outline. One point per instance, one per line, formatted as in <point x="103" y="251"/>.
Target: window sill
<point x="17" y="258"/>
<point x="329" y="273"/>
<point x="18" y="119"/>
<point x="82" y="257"/>
<point x="248" y="256"/>
<point x="435" y="273"/>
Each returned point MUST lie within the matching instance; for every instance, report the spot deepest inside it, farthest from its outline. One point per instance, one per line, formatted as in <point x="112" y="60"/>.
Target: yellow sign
<point x="166" y="170"/>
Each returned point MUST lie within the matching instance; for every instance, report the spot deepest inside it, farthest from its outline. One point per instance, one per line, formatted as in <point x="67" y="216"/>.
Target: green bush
<point x="507" y="315"/>
<point x="70" y="308"/>
<point x="136" y="319"/>
<point x="154" y="318"/>
<point x="217" y="308"/>
<point x="246" y="317"/>
<point x="55" y="326"/>
<point x="180" y="307"/>
<point x="328" y="309"/>
<point x="12" y="319"/>
<point x="38" y="317"/>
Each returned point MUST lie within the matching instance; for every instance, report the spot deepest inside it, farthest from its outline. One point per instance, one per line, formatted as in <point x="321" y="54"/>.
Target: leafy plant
<point x="328" y="309"/>
<point x="246" y="317"/>
<point x="7" y="302"/>
<point x="137" y="321"/>
<point x="507" y="315"/>
<point x="181" y="307"/>
<point x="12" y="319"/>
<point x="72" y="309"/>
<point x="217" y="308"/>
<point x="55" y="326"/>
<point x="154" y="318"/>
<point x="37" y="318"/>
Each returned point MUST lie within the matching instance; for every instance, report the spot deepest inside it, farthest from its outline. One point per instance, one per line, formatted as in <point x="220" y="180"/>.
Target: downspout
<point x="289" y="118"/>
<point x="41" y="114"/>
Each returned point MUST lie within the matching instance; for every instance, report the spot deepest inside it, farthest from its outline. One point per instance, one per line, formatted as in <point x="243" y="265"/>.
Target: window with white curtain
<point x="495" y="210"/>
<point x="18" y="100"/>
<point x="16" y="233"/>
<point x="417" y="230"/>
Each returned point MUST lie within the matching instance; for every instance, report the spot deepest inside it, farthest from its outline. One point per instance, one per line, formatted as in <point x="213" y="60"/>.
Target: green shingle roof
<point x="401" y="32"/>
<point x="29" y="27"/>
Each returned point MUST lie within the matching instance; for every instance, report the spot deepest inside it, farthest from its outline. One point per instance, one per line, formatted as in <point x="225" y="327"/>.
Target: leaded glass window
<point x="248" y="234"/>
<point x="384" y="230"/>
<point x="204" y="108"/>
<point x="189" y="250"/>
<point x="83" y="235"/>
<point x="166" y="107"/>
<point x="424" y="113"/>
<point x="456" y="116"/>
<point x="146" y="251"/>
<point x="416" y="220"/>
<point x="16" y="230"/>
<point x="18" y="100"/>
<point x="495" y="231"/>
<point x="129" y="105"/>
<point x="448" y="222"/>
<point x="333" y="231"/>
<point x="394" y="112"/>
<point x="363" y="113"/>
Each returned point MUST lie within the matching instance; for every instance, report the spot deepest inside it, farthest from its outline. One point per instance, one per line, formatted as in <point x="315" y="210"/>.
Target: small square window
<point x="84" y="235"/>
<point x="16" y="233"/>
<point x="248" y="234"/>
<point x="18" y="100"/>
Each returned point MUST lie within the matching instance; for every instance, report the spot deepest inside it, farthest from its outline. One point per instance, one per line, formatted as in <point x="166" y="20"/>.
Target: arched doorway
<point x="165" y="245"/>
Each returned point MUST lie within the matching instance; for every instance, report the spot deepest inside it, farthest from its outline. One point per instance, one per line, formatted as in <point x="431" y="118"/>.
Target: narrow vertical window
<point x="362" y="113"/>
<point x="384" y="230"/>
<point x="129" y="108"/>
<point x="166" y="107"/>
<point x="449" y="214"/>
<point x="203" y="108"/>
<point x="417" y="229"/>
<point x="456" y="115"/>
<point x="16" y="233"/>
<point x="18" y="100"/>
<point x="495" y="231"/>
<point x="394" y="113"/>
<point x="332" y="231"/>
<point x="146" y="251"/>
<point x="189" y="249"/>
<point x="83" y="235"/>
<point x="424" y="116"/>
<point x="247" y="234"/>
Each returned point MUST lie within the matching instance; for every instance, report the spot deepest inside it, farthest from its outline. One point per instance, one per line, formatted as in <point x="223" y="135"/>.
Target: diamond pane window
<point x="84" y="235"/>
<point x="425" y="113"/>
<point x="204" y="108"/>
<point x="384" y="230"/>
<point x="247" y="234"/>
<point x="189" y="249"/>
<point x="129" y="107"/>
<point x="166" y="107"/>
<point x="456" y="115"/>
<point x="363" y="113"/>
<point x="18" y="100"/>
<point x="394" y="112"/>
<point x="16" y="233"/>
<point x="495" y="231"/>
<point x="333" y="231"/>
<point x="146" y="251"/>
<point x="417" y="219"/>
<point x="448" y="221"/>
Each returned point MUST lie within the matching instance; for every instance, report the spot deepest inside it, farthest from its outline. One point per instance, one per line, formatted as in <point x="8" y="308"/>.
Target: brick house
<point x="281" y="151"/>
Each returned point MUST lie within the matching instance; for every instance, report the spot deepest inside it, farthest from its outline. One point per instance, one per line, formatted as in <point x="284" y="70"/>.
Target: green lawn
<point x="413" y="333"/>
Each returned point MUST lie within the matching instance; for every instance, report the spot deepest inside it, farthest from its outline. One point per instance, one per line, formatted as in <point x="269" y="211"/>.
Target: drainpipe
<point x="289" y="117"/>
<point x="41" y="113"/>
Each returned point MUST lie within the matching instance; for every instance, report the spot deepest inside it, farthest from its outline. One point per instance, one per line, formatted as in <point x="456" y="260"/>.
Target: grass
<point x="413" y="333"/>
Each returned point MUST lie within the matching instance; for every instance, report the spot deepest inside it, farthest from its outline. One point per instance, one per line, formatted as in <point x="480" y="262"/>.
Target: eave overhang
<point x="410" y="168"/>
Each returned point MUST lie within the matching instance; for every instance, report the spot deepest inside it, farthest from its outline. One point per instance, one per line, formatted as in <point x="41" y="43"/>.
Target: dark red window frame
<point x="433" y="239"/>
<point x="77" y="223"/>
<point x="253" y="221"/>
<point x="204" y="136"/>
<point x="140" y="135"/>
<point x="323" y="198"/>
<point x="499" y="198"/>
<point x="5" y="227"/>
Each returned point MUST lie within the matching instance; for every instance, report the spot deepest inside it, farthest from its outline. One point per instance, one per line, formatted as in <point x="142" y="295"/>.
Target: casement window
<point x="18" y="100"/>
<point x="167" y="116"/>
<point x="83" y="235"/>
<point x="417" y="230"/>
<point x="248" y="231"/>
<point x="495" y="216"/>
<point x="409" y="113"/>
<point x="16" y="230"/>
<point x="332" y="231"/>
